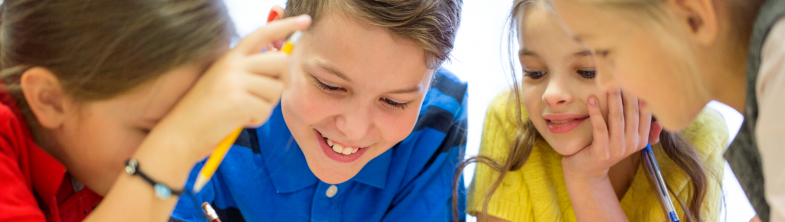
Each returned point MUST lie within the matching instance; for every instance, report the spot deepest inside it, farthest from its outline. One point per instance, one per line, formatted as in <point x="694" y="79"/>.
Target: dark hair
<point x="430" y="23"/>
<point x="99" y="49"/>
<point x="675" y="146"/>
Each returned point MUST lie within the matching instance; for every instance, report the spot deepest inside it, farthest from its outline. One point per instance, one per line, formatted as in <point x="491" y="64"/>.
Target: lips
<point x="346" y="155"/>
<point x="563" y="123"/>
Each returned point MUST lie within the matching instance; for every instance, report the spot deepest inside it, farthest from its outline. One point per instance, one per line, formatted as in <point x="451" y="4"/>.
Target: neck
<point x="45" y="139"/>
<point x="727" y="74"/>
<point x="622" y="174"/>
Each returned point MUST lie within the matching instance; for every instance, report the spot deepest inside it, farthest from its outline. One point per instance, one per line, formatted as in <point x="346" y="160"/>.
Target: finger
<point x="257" y="112"/>
<point x="645" y="124"/>
<point x="257" y="40"/>
<point x="273" y="64"/>
<point x="615" y="122"/>
<point x="264" y="88"/>
<point x="654" y="134"/>
<point x="262" y="116"/>
<point x="631" y="122"/>
<point x="599" y="129"/>
<point x="631" y="115"/>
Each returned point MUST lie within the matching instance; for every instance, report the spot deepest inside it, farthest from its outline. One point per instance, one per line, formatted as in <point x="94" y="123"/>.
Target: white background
<point x="479" y="58"/>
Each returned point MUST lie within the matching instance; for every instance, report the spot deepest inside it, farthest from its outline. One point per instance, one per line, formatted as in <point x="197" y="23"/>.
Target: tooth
<point x="329" y="142"/>
<point x="347" y="151"/>
<point x="337" y="148"/>
<point x="355" y="150"/>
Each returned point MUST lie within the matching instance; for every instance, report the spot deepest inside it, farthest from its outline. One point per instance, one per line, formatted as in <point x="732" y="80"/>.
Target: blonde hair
<point x="674" y="144"/>
<point x="741" y="17"/>
<point x="430" y="23"/>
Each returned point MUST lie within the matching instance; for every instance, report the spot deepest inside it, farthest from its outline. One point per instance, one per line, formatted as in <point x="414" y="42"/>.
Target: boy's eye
<point x="589" y="74"/>
<point x="535" y="74"/>
<point x="394" y="104"/>
<point x="326" y="87"/>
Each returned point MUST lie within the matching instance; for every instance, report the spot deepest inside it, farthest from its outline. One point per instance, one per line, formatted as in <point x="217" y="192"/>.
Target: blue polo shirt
<point x="265" y="176"/>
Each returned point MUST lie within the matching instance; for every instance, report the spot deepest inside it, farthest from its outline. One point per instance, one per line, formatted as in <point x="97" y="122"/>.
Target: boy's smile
<point x="356" y="90"/>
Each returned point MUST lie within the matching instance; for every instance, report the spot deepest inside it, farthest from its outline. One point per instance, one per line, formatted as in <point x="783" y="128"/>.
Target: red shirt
<point x="34" y="186"/>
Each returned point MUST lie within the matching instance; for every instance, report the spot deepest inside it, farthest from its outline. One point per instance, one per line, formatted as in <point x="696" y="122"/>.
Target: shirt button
<point x="332" y="191"/>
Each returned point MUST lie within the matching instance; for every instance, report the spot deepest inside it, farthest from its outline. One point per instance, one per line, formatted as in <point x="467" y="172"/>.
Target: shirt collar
<point x="46" y="172"/>
<point x="286" y="164"/>
<point x="375" y="172"/>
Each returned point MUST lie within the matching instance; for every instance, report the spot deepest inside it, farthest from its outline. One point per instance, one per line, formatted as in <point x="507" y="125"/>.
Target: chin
<point x="568" y="148"/>
<point x="674" y="123"/>
<point x="331" y="178"/>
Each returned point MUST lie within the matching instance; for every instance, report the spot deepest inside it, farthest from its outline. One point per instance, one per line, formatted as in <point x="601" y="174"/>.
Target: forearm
<point x="594" y="199"/>
<point x="133" y="199"/>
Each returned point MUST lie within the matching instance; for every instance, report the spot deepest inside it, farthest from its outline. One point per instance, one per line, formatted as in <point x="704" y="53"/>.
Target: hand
<point x="626" y="132"/>
<point x="240" y="89"/>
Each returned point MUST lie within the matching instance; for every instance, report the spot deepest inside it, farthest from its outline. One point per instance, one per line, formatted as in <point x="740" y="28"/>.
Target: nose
<point x="557" y="92"/>
<point x="355" y="122"/>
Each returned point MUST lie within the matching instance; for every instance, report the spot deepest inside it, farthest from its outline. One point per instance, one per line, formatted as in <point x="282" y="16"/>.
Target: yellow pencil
<point x="220" y="152"/>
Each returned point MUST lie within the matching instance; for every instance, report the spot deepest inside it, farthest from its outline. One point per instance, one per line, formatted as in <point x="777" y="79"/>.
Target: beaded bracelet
<point x="161" y="190"/>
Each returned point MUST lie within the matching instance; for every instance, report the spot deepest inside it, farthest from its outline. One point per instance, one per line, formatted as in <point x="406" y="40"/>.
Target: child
<point x="695" y="51"/>
<point x="93" y="87"/>
<point x="550" y="155"/>
<point x="369" y="130"/>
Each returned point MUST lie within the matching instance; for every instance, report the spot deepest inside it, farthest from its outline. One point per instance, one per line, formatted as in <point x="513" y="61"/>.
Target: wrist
<point x="584" y="176"/>
<point x="166" y="159"/>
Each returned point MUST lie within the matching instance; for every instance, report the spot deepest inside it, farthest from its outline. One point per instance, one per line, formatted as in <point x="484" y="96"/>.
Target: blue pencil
<point x="659" y="182"/>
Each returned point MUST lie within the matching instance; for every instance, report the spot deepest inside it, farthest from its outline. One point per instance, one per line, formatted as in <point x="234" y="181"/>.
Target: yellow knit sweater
<point x="537" y="191"/>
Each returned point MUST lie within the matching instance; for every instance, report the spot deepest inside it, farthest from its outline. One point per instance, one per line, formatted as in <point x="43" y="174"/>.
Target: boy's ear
<point x="276" y="13"/>
<point x="45" y="97"/>
<point x="699" y="17"/>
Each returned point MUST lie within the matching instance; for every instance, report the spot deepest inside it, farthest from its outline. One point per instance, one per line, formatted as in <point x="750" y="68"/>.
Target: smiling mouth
<point x="561" y="121"/>
<point x="338" y="148"/>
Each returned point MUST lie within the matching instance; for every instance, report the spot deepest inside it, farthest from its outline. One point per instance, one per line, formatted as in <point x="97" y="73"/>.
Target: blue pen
<point x="654" y="170"/>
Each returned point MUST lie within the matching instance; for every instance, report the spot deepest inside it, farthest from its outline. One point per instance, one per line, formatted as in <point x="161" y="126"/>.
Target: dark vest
<point x="743" y="155"/>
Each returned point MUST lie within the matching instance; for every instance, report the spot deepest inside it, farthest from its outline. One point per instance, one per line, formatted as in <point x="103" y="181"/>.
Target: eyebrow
<point x="526" y="52"/>
<point x="333" y="71"/>
<point x="414" y="89"/>
<point x="583" y="53"/>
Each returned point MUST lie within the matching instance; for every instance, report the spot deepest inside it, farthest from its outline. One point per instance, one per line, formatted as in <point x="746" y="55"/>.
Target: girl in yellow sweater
<point x="557" y="148"/>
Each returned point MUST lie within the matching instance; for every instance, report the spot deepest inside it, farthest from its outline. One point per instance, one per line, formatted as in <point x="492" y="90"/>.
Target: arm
<point x="770" y="131"/>
<point x="586" y="172"/>
<point x="240" y="89"/>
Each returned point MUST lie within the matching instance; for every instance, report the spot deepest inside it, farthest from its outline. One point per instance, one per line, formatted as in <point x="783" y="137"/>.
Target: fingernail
<point x="304" y="18"/>
<point x="272" y="16"/>
<point x="592" y="101"/>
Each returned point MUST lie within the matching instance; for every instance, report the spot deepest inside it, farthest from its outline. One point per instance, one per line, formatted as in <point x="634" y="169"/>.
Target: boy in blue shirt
<point x="369" y="129"/>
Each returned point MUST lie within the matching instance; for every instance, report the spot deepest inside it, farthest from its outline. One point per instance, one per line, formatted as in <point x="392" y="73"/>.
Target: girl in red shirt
<point x="103" y="99"/>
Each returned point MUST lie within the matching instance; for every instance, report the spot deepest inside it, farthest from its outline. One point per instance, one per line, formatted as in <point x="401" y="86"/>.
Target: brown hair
<point x="99" y="49"/>
<point x="430" y="23"/>
<point x="674" y="144"/>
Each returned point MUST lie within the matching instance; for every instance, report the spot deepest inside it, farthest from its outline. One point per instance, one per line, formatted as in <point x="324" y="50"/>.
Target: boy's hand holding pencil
<point x="240" y="89"/>
<point x="270" y="97"/>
